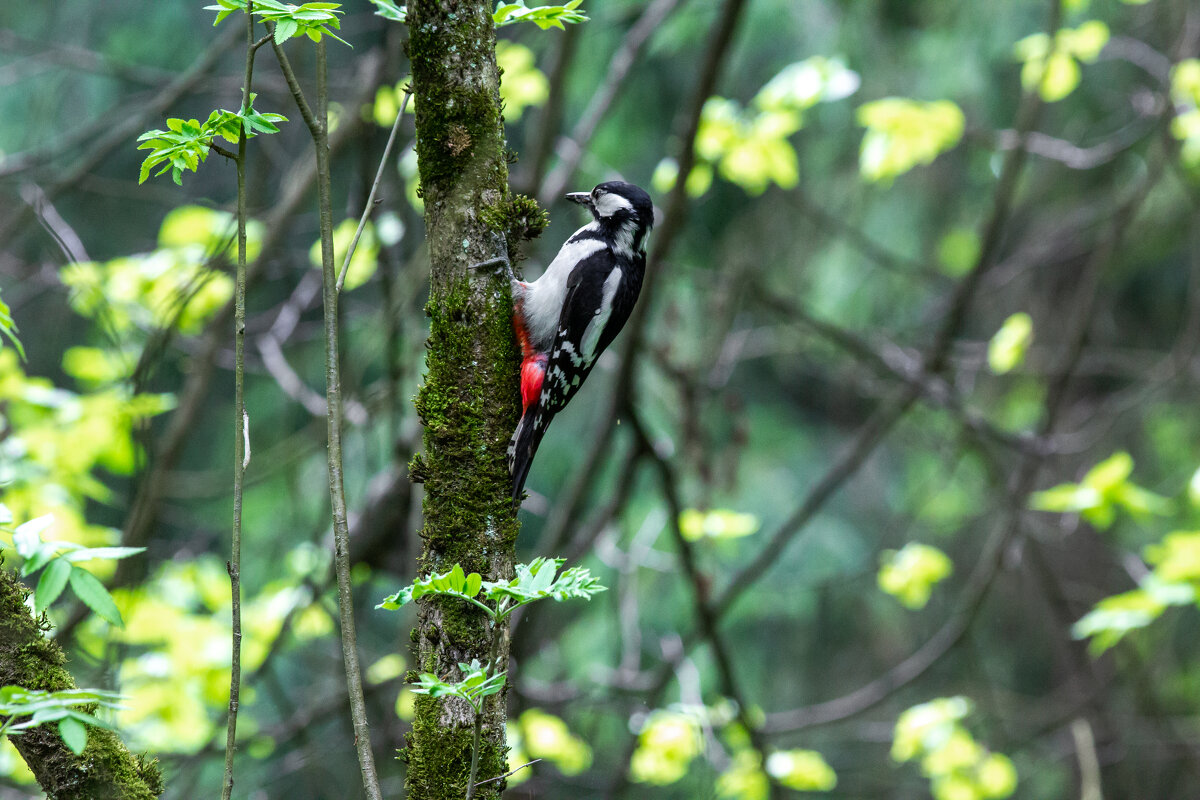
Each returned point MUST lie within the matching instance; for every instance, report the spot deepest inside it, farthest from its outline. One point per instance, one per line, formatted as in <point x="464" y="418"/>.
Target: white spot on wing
<point x="591" y="336"/>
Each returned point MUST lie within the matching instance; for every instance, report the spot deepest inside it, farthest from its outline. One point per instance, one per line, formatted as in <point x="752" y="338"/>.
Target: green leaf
<point x="91" y="591"/>
<point x="544" y="576"/>
<point x="1110" y="472"/>
<point x="1066" y="498"/>
<point x="543" y="16"/>
<point x="1115" y="616"/>
<point x="910" y="574"/>
<point x="74" y="734"/>
<point x="391" y="11"/>
<point x="28" y="534"/>
<point x="285" y="29"/>
<point x="958" y="251"/>
<point x="9" y="328"/>
<point x="453" y="582"/>
<point x="6" y="516"/>
<point x="112" y="553"/>
<point x="804" y="770"/>
<point x="717" y="523"/>
<point x="902" y="133"/>
<point x="51" y="584"/>
<point x="1177" y="557"/>
<point x="1007" y="348"/>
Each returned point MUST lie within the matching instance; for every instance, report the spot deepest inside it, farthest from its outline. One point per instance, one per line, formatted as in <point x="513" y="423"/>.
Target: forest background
<point x="894" y="483"/>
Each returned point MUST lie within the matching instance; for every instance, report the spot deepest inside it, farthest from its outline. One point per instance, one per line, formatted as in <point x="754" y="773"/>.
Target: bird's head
<point x="619" y="204"/>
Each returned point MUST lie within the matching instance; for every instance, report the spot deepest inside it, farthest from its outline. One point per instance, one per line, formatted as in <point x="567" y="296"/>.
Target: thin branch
<point x="270" y="347"/>
<point x="333" y="396"/>
<point x="370" y="204"/>
<point x="241" y="427"/>
<point x="510" y="773"/>
<point x="289" y="75"/>
<point x="1089" y="761"/>
<point x="64" y="235"/>
<point x="221" y="151"/>
<point x="908" y="369"/>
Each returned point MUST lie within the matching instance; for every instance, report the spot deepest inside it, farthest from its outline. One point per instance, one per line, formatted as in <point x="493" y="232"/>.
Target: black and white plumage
<point x="566" y="318"/>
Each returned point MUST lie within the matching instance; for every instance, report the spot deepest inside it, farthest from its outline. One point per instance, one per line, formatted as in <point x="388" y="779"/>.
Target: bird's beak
<point x="583" y="198"/>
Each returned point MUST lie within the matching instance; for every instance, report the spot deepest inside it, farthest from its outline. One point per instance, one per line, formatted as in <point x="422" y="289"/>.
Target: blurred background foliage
<point x="950" y="559"/>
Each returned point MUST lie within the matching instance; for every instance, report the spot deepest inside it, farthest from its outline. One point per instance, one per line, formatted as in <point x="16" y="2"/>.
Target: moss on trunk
<point x="469" y="402"/>
<point x="105" y="770"/>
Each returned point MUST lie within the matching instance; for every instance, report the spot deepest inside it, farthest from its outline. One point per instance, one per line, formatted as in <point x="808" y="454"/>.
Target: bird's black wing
<point x="599" y="298"/>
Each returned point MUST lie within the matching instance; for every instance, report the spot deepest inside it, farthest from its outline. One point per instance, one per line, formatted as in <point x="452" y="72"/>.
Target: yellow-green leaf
<point x="1007" y="348"/>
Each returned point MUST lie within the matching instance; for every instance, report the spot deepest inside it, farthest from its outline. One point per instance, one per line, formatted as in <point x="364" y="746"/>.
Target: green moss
<point x="105" y="769"/>
<point x="459" y="121"/>
<point x="441" y="773"/>
<point x="470" y="400"/>
<point x="517" y="218"/>
<point x="464" y="405"/>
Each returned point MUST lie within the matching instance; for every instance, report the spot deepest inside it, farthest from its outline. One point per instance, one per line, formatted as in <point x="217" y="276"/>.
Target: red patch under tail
<point x="533" y="372"/>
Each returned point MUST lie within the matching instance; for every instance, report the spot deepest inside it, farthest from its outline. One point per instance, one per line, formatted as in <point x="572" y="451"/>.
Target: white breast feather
<point x="544" y="297"/>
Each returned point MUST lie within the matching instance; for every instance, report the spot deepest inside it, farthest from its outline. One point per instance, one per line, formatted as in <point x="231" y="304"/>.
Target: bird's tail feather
<point x="521" y="450"/>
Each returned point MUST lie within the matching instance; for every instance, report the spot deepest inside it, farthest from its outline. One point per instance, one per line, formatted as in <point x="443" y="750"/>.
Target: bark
<point x="468" y="404"/>
<point x="105" y="770"/>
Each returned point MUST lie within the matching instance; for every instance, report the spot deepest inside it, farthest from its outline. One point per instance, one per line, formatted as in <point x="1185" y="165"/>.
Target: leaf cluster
<point x="545" y="17"/>
<point x="533" y="581"/>
<point x="537" y="580"/>
<point x="187" y="142"/>
<point x="1104" y="489"/>
<point x="475" y="685"/>
<point x="58" y="562"/>
<point x="314" y="20"/>
<point x="62" y="707"/>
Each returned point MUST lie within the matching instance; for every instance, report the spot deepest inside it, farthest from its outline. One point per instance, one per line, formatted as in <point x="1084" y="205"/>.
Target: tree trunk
<point x="468" y="403"/>
<point x="105" y="770"/>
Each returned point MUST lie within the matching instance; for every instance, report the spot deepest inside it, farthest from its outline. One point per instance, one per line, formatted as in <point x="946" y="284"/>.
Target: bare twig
<point x="1089" y="762"/>
<point x="319" y="127"/>
<point x="64" y="235"/>
<point x="510" y="773"/>
<point x="370" y="204"/>
<point x="241" y="429"/>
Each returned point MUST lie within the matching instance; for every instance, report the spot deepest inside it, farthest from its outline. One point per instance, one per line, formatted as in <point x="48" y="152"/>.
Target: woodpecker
<point x="566" y="318"/>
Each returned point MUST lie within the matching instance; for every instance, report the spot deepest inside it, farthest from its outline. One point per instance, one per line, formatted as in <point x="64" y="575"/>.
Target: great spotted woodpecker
<point x="566" y="318"/>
